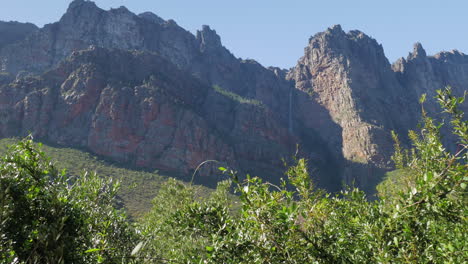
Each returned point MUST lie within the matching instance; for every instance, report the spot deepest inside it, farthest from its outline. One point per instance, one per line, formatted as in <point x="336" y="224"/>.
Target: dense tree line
<point x="420" y="216"/>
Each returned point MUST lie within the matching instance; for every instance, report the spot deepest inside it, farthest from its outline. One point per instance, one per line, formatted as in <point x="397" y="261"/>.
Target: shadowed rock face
<point x="421" y="74"/>
<point x="142" y="90"/>
<point x="12" y="32"/>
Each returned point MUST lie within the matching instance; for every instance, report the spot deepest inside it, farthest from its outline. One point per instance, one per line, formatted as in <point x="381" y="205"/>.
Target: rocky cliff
<point x="138" y="108"/>
<point x="142" y="90"/>
<point x="422" y="74"/>
<point x="12" y="32"/>
<point x="349" y="75"/>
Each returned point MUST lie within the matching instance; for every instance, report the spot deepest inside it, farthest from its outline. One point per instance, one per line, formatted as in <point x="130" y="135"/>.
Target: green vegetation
<point x="421" y="218"/>
<point x="47" y="217"/>
<point x="236" y="97"/>
<point x="138" y="187"/>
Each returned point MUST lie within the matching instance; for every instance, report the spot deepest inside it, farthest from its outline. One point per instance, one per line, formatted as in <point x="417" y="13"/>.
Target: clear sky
<point x="275" y="32"/>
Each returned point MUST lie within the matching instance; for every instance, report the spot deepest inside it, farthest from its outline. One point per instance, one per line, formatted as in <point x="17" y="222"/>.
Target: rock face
<point x="421" y="74"/>
<point x="140" y="109"/>
<point x="349" y="75"/>
<point x="141" y="90"/>
<point x="12" y="32"/>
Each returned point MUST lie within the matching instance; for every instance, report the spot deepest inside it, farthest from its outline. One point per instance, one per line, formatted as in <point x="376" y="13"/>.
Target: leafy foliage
<point x="137" y="187"/>
<point x="47" y="217"/>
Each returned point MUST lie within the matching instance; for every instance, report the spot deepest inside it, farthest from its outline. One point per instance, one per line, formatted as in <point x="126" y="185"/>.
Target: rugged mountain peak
<point x="86" y="24"/>
<point x="76" y="3"/>
<point x="13" y="31"/>
<point x="424" y="74"/>
<point x="349" y="75"/>
<point x="149" y="16"/>
<point x="332" y="33"/>
<point x="208" y="38"/>
<point x="78" y="6"/>
<point x="399" y="65"/>
<point x="120" y="9"/>
<point x="418" y="52"/>
<point x="453" y="55"/>
<point x="335" y="29"/>
<point x="80" y="11"/>
<point x="335" y="44"/>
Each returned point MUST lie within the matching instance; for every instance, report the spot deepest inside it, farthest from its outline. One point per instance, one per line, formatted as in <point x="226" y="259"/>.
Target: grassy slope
<point x="138" y="187"/>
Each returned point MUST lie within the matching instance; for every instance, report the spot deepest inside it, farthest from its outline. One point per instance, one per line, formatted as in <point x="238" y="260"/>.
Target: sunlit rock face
<point x="143" y="91"/>
<point x="349" y="75"/>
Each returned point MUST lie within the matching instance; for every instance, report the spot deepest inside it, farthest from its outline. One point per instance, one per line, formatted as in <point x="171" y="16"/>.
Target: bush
<point x="47" y="217"/>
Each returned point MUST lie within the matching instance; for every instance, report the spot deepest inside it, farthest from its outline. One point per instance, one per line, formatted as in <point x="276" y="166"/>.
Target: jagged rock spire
<point x="418" y="52"/>
<point x="208" y="38"/>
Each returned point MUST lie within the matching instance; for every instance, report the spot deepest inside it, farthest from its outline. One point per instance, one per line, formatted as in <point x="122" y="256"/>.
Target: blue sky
<point x="275" y="32"/>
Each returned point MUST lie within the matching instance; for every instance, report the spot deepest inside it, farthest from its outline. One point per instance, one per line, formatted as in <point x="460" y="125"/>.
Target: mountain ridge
<point x="339" y="103"/>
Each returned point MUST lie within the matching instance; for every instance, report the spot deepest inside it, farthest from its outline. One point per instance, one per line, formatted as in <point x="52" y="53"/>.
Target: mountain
<point x="13" y="31"/>
<point x="349" y="75"/>
<point x="143" y="91"/>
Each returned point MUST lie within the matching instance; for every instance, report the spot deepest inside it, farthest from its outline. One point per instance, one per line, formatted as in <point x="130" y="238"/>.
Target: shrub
<point x="47" y="217"/>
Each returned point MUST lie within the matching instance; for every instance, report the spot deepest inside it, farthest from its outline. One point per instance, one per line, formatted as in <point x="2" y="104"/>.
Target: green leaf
<point x="422" y="99"/>
<point x="92" y="250"/>
<point x="209" y="249"/>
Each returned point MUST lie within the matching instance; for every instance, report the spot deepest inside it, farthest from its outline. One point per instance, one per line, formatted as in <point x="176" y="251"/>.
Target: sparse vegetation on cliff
<point x="235" y="97"/>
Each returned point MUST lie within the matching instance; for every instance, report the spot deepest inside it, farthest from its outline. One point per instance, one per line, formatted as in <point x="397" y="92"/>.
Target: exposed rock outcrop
<point x="421" y="74"/>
